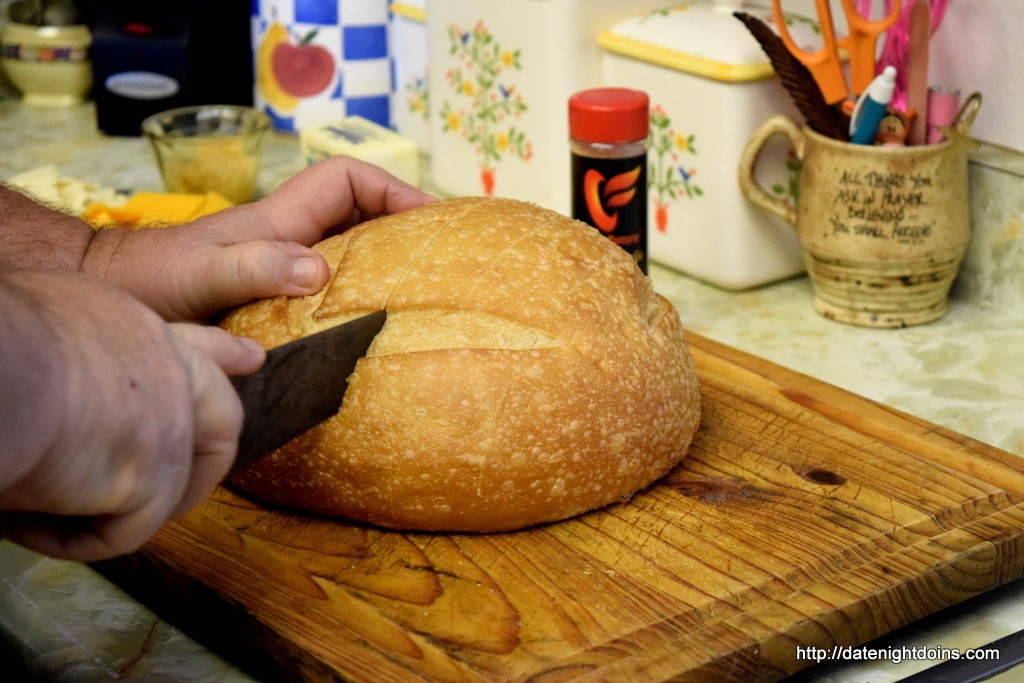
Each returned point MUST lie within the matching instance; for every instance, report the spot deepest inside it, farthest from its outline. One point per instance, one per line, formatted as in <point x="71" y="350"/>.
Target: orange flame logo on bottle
<point x="603" y="202"/>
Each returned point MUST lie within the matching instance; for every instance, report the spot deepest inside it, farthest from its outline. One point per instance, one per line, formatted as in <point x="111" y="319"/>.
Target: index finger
<point x="217" y="410"/>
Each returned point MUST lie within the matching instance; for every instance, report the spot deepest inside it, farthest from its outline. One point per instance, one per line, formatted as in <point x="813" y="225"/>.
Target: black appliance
<point x="152" y="56"/>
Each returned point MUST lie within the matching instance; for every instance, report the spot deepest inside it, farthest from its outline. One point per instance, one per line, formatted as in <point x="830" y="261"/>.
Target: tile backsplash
<point x="992" y="274"/>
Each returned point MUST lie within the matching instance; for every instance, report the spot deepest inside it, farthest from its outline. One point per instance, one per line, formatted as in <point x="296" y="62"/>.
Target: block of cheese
<point x="155" y="209"/>
<point x="363" y="139"/>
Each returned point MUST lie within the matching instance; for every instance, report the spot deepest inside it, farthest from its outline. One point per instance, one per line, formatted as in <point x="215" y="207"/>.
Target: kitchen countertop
<point x="963" y="372"/>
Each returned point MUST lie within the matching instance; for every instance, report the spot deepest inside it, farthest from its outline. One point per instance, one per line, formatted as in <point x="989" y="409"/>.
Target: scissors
<point x="826" y="65"/>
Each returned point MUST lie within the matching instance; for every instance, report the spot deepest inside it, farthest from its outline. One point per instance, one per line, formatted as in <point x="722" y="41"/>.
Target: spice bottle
<point x="608" y="139"/>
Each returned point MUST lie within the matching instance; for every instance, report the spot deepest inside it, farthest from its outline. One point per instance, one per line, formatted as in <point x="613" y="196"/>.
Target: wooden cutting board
<point x="803" y="516"/>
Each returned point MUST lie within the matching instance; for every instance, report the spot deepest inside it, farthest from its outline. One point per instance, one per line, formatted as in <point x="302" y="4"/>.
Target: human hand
<point x="250" y="251"/>
<point x="121" y="422"/>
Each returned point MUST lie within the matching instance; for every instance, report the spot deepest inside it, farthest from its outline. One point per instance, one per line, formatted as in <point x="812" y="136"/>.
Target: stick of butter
<point x="363" y="139"/>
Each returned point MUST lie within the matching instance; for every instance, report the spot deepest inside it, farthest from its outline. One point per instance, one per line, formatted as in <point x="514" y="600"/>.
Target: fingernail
<point x="304" y="271"/>
<point x="252" y="344"/>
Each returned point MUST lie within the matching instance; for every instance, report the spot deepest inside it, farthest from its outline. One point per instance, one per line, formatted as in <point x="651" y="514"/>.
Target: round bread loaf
<point x="527" y="372"/>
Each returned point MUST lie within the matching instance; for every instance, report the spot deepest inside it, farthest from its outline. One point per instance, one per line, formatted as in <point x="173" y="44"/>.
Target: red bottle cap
<point x="609" y="115"/>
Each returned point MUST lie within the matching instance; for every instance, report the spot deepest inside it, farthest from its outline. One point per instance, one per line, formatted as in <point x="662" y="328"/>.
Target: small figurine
<point x="893" y="129"/>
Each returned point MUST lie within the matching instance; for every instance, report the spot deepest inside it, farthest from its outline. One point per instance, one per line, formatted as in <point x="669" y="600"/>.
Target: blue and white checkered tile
<point x="296" y="82"/>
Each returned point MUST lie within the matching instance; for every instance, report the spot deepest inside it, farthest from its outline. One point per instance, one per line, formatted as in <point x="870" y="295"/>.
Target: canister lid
<point x="414" y="10"/>
<point x="609" y="115"/>
<point x="703" y="38"/>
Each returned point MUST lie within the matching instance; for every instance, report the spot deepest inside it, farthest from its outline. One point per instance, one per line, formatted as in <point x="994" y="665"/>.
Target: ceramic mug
<point x="882" y="229"/>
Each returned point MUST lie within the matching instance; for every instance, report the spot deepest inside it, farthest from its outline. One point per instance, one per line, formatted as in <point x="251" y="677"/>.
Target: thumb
<point x="236" y="274"/>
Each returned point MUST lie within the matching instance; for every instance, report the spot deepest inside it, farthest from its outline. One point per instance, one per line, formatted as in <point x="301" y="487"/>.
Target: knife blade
<point x="301" y="384"/>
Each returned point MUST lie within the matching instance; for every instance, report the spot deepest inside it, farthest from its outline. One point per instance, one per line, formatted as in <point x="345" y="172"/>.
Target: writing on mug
<point x="882" y="206"/>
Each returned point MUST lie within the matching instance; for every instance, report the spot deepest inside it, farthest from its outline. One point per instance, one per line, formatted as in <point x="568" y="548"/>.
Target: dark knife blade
<point x="301" y="384"/>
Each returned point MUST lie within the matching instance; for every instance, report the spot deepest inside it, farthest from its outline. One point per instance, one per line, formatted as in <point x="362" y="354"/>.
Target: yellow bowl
<point x="48" y="64"/>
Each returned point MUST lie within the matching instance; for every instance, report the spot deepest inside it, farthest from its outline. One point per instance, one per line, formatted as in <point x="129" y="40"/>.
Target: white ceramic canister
<point x="711" y="85"/>
<point x="501" y="74"/>
<point x="320" y="60"/>
<point x="410" y="104"/>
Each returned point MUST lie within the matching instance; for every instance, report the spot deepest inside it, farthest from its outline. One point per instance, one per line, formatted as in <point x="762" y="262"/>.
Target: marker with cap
<point x="871" y="106"/>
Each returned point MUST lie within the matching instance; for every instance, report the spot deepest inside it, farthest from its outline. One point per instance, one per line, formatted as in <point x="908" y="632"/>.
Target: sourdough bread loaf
<point x="527" y="373"/>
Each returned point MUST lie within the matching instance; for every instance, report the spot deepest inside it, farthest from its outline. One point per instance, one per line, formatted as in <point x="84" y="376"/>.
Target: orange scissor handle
<point x="823" y="64"/>
<point x="860" y="42"/>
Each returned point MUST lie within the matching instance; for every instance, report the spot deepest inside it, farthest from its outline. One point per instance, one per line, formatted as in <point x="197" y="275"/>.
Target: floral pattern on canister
<point x="670" y="173"/>
<point x="790" y="191"/>
<point x="485" y="104"/>
<point x="417" y="97"/>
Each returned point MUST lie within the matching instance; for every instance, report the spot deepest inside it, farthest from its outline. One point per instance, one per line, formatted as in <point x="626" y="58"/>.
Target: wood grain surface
<point x="804" y="515"/>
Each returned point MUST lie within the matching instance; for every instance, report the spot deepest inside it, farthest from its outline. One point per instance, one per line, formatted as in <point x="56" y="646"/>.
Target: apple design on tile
<point x="302" y="69"/>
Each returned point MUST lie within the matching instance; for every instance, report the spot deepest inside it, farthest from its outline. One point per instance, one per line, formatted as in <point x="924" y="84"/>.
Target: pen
<point x="871" y="106"/>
